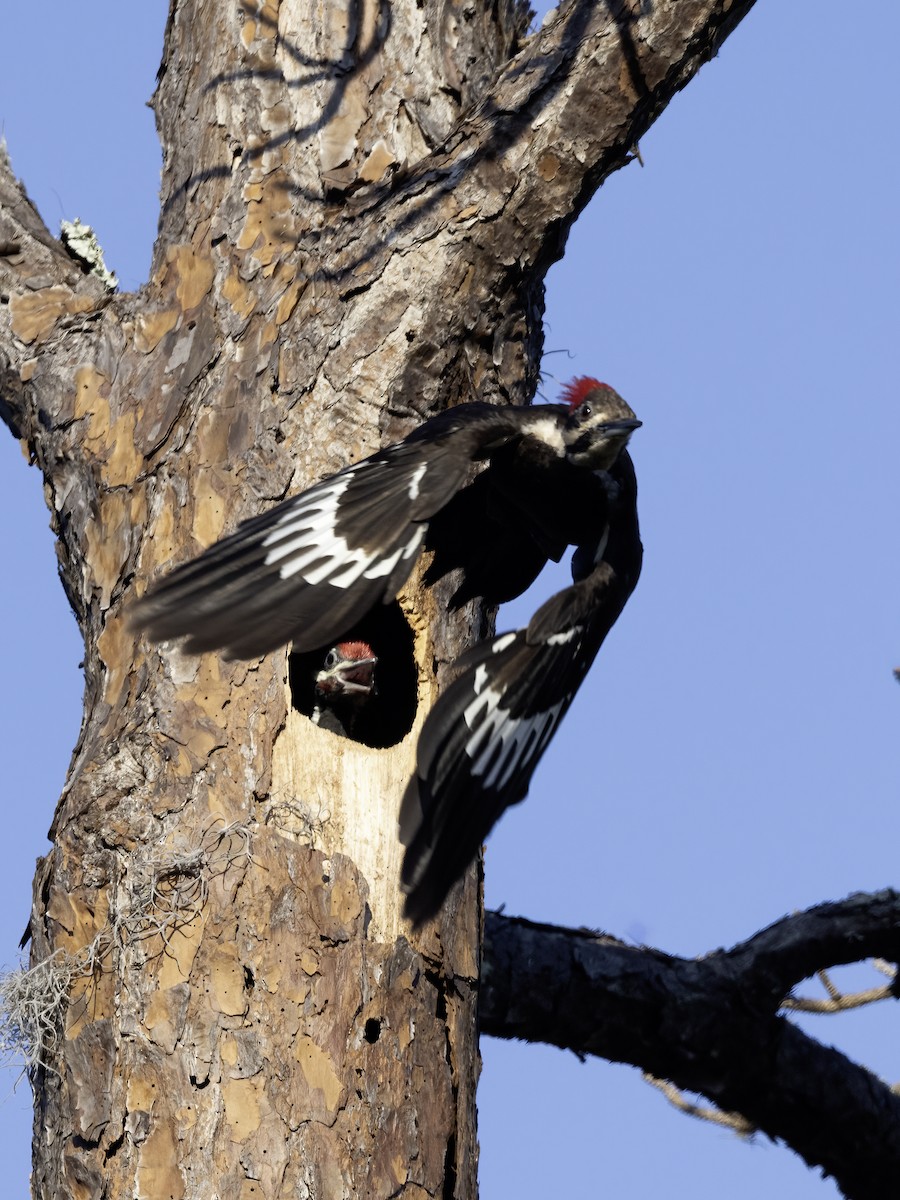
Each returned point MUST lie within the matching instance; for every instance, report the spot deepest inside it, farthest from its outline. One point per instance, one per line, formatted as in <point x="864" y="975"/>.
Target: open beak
<point x="348" y="679"/>
<point x="358" y="678"/>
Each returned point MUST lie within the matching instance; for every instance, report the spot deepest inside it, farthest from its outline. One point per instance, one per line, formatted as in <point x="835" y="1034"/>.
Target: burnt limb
<point x="864" y="925"/>
<point x="712" y="1025"/>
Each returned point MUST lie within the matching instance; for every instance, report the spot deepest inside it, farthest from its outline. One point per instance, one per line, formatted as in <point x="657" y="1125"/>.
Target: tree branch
<point x="497" y="200"/>
<point x="43" y="292"/>
<point x="570" y="109"/>
<point x="711" y="1025"/>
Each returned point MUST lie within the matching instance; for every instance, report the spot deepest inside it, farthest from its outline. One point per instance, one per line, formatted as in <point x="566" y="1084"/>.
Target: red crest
<point x="355" y="650"/>
<point x="577" y="389"/>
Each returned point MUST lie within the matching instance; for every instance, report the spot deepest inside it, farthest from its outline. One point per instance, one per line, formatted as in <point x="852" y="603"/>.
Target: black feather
<point x="265" y="585"/>
<point x="485" y="736"/>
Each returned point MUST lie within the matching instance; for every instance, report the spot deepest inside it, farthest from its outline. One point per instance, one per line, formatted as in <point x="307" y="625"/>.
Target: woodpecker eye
<point x="586" y="410"/>
<point x="331" y="658"/>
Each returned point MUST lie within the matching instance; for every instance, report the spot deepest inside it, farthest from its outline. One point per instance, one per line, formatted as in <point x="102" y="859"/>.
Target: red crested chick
<point x="344" y="685"/>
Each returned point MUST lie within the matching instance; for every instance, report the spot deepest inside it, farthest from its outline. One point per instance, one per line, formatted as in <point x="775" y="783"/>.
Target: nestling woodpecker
<point x="483" y="739"/>
<point x="310" y="568"/>
<point x="343" y="686"/>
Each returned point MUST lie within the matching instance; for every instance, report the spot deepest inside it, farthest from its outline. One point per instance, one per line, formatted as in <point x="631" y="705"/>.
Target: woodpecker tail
<point x="477" y="753"/>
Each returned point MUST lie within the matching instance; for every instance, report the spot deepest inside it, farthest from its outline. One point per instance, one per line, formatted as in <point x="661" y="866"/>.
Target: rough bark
<point x="712" y="1025"/>
<point x="359" y="204"/>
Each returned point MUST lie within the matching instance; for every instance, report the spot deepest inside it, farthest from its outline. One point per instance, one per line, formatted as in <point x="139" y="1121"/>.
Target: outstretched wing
<point x="485" y="736"/>
<point x="304" y="571"/>
<point x="477" y="752"/>
<point x="311" y="567"/>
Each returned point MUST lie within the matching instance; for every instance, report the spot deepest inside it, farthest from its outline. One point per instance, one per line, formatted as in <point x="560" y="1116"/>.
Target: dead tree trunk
<point x="359" y="204"/>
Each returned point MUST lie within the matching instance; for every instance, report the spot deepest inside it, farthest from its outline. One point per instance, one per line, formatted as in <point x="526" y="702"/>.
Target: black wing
<point x="486" y="538"/>
<point x="311" y="567"/>
<point x="502" y="527"/>
<point x="485" y="736"/>
<point x="476" y="754"/>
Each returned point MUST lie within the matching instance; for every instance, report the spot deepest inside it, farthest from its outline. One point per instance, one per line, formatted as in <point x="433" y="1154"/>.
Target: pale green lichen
<point x="81" y="242"/>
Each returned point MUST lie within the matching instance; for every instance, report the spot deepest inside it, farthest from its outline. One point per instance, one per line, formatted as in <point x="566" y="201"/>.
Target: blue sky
<point x="734" y="754"/>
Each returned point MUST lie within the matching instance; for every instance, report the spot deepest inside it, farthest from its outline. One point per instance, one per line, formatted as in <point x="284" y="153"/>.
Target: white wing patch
<point x="499" y="742"/>
<point x="567" y="635"/>
<point x="304" y="542"/>
<point x="416" y="479"/>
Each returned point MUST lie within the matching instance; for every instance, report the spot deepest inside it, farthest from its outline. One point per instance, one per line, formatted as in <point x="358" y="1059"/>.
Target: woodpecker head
<point x="598" y="426"/>
<point x="348" y="675"/>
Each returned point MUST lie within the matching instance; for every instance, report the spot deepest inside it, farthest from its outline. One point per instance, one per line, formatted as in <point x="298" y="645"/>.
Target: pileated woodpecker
<point x="483" y="739"/>
<point x="344" y="686"/>
<point x="310" y="568"/>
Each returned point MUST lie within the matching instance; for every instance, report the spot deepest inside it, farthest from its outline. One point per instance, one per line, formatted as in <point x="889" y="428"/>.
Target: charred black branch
<point x="712" y="1025"/>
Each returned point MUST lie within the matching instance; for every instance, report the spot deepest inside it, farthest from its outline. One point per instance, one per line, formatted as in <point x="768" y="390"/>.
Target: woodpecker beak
<point x="353" y="679"/>
<point x="622" y="428"/>
<point x="360" y="676"/>
<point x="597" y="446"/>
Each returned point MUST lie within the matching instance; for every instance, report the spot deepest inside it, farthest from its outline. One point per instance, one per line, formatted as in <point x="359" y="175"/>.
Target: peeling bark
<point x="359" y="205"/>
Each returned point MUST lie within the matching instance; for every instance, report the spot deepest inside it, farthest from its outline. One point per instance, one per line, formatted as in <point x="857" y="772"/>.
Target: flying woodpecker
<point x="483" y="739"/>
<point x="310" y="568"/>
<point x="344" y="686"/>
